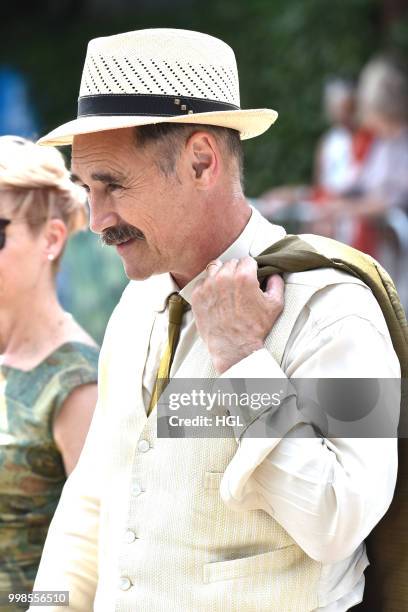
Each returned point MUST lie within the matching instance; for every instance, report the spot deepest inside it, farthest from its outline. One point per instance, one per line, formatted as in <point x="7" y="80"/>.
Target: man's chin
<point x="131" y="261"/>
<point x="135" y="272"/>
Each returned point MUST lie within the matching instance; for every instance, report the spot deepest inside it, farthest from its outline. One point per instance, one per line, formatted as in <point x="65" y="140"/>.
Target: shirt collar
<point x="256" y="236"/>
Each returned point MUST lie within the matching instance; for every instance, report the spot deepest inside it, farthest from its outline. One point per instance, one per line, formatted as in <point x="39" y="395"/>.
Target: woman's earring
<point x="51" y="257"/>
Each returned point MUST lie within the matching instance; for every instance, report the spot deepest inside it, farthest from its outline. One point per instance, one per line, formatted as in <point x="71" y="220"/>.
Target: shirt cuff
<point x="267" y="401"/>
<point x="262" y="428"/>
<point x="259" y="364"/>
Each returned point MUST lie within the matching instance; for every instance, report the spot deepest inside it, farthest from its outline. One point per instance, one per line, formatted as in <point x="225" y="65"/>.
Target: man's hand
<point x="232" y="314"/>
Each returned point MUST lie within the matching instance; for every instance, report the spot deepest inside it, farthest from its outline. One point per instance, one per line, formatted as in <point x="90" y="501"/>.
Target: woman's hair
<point x="39" y="180"/>
<point x="336" y="91"/>
<point x="383" y="88"/>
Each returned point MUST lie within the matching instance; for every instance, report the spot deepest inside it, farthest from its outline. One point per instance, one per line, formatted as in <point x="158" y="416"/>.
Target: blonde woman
<point x="49" y="363"/>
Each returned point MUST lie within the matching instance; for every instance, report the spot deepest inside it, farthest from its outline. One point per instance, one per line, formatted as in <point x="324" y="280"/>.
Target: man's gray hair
<point x="383" y="89"/>
<point x="171" y="137"/>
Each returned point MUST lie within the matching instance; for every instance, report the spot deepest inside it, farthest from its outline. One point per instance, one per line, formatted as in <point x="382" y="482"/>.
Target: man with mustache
<point x="197" y="524"/>
<point x="120" y="234"/>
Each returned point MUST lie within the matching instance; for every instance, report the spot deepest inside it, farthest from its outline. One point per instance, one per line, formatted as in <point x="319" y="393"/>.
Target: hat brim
<point x="249" y="123"/>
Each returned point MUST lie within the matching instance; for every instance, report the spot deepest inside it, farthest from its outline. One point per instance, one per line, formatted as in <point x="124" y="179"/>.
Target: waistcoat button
<point x="124" y="583"/>
<point x="137" y="489"/>
<point x="143" y="446"/>
<point x="130" y="536"/>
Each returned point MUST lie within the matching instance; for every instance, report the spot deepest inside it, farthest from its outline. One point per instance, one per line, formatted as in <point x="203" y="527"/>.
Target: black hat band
<point x="151" y="105"/>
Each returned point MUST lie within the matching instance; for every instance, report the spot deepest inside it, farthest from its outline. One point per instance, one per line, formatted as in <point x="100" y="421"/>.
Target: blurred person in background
<point x="382" y="184"/>
<point x="48" y="364"/>
<point x="375" y="206"/>
<point x="338" y="156"/>
<point x="344" y="145"/>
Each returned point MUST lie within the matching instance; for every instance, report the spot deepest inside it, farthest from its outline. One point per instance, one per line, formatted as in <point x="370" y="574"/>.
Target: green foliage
<point x="398" y="38"/>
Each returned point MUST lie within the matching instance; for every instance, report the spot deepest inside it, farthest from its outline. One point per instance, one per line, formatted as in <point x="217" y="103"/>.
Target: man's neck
<point x="222" y="228"/>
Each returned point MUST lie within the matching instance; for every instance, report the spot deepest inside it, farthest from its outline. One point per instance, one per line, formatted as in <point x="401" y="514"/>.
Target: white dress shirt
<point x="327" y="496"/>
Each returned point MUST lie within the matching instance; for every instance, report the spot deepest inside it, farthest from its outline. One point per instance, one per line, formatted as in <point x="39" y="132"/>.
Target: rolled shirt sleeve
<point x="328" y="493"/>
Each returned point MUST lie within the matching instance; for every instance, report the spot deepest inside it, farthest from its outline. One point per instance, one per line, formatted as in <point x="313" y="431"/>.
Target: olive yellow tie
<point x="177" y="307"/>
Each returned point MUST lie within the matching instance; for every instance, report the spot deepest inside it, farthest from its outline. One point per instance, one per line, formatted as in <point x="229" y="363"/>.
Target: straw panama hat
<point x="160" y="75"/>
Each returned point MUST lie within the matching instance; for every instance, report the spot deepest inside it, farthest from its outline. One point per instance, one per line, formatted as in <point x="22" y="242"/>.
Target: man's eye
<point x="114" y="187"/>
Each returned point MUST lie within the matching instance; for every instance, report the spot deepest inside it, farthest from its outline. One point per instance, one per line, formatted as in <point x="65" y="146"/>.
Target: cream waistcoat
<point x="191" y="552"/>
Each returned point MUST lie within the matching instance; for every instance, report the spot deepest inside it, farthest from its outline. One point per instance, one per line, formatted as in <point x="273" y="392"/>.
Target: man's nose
<point x="101" y="216"/>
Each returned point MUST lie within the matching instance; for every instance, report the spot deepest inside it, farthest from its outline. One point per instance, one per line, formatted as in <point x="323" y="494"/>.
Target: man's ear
<point x="55" y="235"/>
<point x="204" y="159"/>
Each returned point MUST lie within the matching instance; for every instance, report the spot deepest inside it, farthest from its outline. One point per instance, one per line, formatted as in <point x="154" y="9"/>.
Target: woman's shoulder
<point x="76" y="347"/>
<point x="72" y="354"/>
<point x="75" y="363"/>
<point x="45" y="387"/>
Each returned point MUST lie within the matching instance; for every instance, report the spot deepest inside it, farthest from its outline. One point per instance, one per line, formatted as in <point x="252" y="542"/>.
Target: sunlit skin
<point x="126" y="186"/>
<point x="185" y="221"/>
<point x="28" y="300"/>
<point x="368" y="205"/>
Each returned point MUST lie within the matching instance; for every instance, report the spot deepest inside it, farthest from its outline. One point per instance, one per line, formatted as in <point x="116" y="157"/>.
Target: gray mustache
<point x="120" y="233"/>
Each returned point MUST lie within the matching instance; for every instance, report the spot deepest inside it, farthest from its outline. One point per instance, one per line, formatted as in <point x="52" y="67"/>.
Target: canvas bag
<point x="387" y="577"/>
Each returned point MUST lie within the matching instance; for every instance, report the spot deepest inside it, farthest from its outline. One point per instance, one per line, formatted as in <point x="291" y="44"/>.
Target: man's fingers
<point x="247" y="263"/>
<point x="247" y="270"/>
<point x="275" y="287"/>
<point x="275" y="284"/>
<point x="213" y="267"/>
<point x="227" y="270"/>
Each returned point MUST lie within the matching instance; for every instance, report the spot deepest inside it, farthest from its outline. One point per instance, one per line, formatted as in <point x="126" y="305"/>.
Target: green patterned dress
<point x="32" y="474"/>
